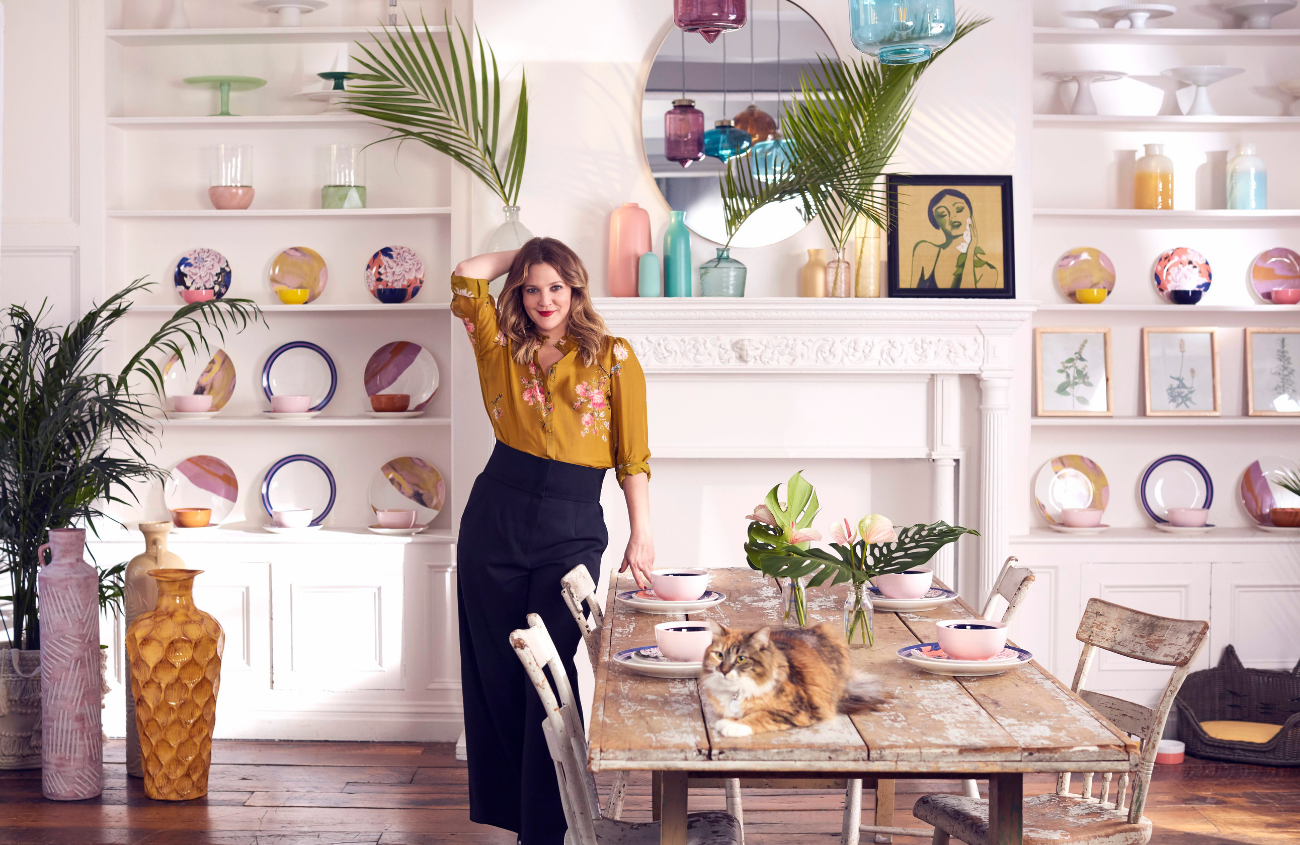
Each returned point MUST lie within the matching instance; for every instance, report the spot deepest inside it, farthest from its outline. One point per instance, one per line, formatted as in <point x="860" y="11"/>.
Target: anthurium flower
<point x="763" y="515"/>
<point x="803" y="535"/>
<point x="875" y="528"/>
<point x="843" y="534"/>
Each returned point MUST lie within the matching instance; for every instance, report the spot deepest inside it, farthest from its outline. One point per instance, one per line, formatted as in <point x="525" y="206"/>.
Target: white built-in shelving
<point x="239" y="121"/>
<point x="322" y="213"/>
<point x="314" y="422"/>
<point x="1164" y="121"/>
<point x="1184" y="217"/>
<point x="270" y="35"/>
<point x="308" y="310"/>
<point x="1167" y="36"/>
<point x="1184" y="311"/>
<point x="1161" y="422"/>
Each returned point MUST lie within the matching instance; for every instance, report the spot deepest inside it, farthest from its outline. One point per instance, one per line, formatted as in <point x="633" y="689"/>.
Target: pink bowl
<point x="912" y="584"/>
<point x="679" y="584"/>
<point x="192" y="403"/>
<point x="1285" y="296"/>
<point x="1081" y="517"/>
<point x="1188" y="517"/>
<point x="395" y="518"/>
<point x="192" y="296"/>
<point x="294" y="518"/>
<point x="971" y="639"/>
<point x="683" y="641"/>
<point x="290" y="404"/>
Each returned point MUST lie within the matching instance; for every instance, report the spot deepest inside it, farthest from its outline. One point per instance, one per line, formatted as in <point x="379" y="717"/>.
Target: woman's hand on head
<point x="640" y="558"/>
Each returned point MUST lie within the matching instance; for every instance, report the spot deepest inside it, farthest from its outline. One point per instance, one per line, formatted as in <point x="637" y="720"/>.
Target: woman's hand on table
<point x="640" y="558"/>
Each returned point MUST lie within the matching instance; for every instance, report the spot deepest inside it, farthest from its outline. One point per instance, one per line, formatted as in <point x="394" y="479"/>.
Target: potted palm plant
<point x="72" y="441"/>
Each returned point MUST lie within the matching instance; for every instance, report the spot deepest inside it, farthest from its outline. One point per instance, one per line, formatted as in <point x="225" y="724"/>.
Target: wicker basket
<point x="1232" y="692"/>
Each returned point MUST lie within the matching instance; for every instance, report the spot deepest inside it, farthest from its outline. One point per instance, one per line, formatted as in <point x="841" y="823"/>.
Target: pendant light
<point x="768" y="159"/>
<point x="901" y="32"/>
<point x="758" y="123"/>
<point x="709" y="18"/>
<point x="724" y="140"/>
<point x="684" y="126"/>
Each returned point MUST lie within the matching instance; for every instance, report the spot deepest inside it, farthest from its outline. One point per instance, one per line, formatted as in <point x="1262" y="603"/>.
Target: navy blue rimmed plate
<point x="298" y="482"/>
<point x="1174" y="481"/>
<point x="301" y="369"/>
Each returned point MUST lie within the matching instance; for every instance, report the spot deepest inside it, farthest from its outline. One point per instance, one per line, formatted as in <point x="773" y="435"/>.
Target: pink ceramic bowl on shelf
<point x="679" y="584"/>
<point x="1285" y="296"/>
<point x="1081" y="517"/>
<point x="912" y="584"/>
<point x="395" y="518"/>
<point x="683" y="641"/>
<point x="1188" y="517"/>
<point x="192" y="296"/>
<point x="192" y="403"/>
<point x="290" y="404"/>
<point x="971" y="639"/>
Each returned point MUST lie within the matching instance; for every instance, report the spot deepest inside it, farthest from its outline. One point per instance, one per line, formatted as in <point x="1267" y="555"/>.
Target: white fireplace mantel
<point x="863" y="341"/>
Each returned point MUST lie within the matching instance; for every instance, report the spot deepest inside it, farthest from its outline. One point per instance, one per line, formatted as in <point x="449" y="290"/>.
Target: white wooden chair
<point x="1066" y="818"/>
<point x="1012" y="585"/>
<point x="568" y="745"/>
<point x="579" y="593"/>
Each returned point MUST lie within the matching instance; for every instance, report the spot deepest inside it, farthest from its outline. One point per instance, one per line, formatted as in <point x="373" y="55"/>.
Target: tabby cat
<point x="771" y="680"/>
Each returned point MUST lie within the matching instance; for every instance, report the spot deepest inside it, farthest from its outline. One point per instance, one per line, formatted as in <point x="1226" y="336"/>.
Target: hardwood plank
<point x="258" y="752"/>
<point x="370" y="800"/>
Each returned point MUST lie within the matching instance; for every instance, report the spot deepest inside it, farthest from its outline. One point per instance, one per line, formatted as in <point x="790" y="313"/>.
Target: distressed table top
<point x="1023" y="720"/>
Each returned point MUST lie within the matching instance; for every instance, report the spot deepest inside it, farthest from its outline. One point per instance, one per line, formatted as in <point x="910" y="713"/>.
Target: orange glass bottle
<point x="1153" y="182"/>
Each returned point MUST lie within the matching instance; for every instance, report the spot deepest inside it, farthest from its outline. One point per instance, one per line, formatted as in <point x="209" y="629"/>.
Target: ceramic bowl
<point x="1285" y="517"/>
<point x="293" y="518"/>
<point x="1091" y="296"/>
<point x="192" y="403"/>
<point x="192" y="296"/>
<point x="1188" y="517"/>
<point x="1081" y="517"/>
<point x="685" y="642"/>
<point x="293" y="296"/>
<point x="290" y="404"/>
<point x="912" y="584"/>
<point x="1185" y="297"/>
<point x="971" y="639"/>
<point x="395" y="518"/>
<point x="1285" y="296"/>
<point x="679" y="584"/>
<point x="192" y="517"/>
<point x="390" y="402"/>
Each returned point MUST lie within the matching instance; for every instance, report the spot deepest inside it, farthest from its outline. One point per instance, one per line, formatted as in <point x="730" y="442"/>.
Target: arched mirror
<point x="688" y="67"/>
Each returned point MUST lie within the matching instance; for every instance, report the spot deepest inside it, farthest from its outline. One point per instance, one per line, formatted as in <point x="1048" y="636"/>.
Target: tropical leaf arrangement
<point x="73" y="436"/>
<point x="450" y="102"/>
<point x="840" y="134"/>
<point x="861" y="560"/>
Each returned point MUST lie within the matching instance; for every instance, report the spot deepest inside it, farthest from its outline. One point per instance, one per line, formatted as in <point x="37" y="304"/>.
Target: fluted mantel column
<point x="995" y="388"/>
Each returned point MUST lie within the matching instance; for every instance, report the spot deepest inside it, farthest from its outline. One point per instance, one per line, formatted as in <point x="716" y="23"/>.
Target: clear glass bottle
<point x="1247" y="180"/>
<point x="511" y="234"/>
<point x="231" y="183"/>
<point x="345" y="184"/>
<point x="1153" y="181"/>
<point x="839" y="276"/>
<point x="859" y="617"/>
<point x="794" y="603"/>
<point x="722" y="275"/>
<point x="867" y="243"/>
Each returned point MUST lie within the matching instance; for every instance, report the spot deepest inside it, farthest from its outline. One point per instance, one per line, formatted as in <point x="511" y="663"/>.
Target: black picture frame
<point x="1007" y="278"/>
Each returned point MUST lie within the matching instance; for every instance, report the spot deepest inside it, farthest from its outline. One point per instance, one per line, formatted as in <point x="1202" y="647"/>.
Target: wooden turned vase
<point x="175" y="658"/>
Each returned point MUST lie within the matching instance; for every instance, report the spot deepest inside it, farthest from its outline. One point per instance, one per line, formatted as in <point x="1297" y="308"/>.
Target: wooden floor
<point x="318" y="793"/>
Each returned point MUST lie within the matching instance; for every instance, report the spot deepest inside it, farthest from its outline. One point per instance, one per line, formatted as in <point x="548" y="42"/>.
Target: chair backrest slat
<point x="1142" y="636"/>
<point x="1128" y="717"/>
<point x="1013" y="584"/>
<point x="578" y="589"/>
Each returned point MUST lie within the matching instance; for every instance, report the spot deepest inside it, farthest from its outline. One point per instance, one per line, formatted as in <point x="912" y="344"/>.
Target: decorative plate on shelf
<point x="1084" y="268"/>
<point x="202" y="481"/>
<point x="1175" y="481"/>
<point x="1070" y="481"/>
<point x="1273" y="269"/>
<point x="928" y="657"/>
<point x="1179" y="529"/>
<point x="1260" y="491"/>
<point x="648" y="661"/>
<point x="1068" y="529"/>
<point x="217" y="379"/>
<point x="290" y="416"/>
<point x="300" y="268"/>
<point x="203" y="269"/>
<point x="935" y="597"/>
<point x="393" y="415"/>
<point x="272" y="528"/>
<point x="1181" y="269"/>
<point x="409" y="484"/>
<point x="395" y="274"/>
<point x="297" y="482"/>
<point x="646" y="601"/>
<point x="301" y="369"/>
<point x="397" y="532"/>
<point x="402" y="367"/>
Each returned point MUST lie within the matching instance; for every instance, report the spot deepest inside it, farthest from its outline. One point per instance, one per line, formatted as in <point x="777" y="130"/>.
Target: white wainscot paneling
<point x="31" y="275"/>
<point x="1255" y="609"/>
<point x="238" y="594"/>
<point x="1047" y="617"/>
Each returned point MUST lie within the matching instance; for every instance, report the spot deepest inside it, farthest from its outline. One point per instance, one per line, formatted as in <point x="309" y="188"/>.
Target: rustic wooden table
<point x="997" y="728"/>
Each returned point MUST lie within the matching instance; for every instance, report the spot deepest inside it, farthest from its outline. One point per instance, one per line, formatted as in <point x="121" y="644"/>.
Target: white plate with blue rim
<point x="647" y="660"/>
<point x="1175" y="481"/>
<point x="300" y="368"/>
<point x="934" y="597"/>
<point x="647" y="602"/>
<point x="300" y="482"/>
<point x="928" y="657"/>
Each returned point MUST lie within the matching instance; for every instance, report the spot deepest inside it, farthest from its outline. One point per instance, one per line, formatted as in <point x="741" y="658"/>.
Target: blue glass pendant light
<point x="901" y="32"/>
<point x="724" y="140"/>
<point x="768" y="159"/>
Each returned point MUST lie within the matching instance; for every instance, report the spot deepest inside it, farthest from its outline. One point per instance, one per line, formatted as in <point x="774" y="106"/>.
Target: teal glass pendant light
<point x="768" y="159"/>
<point x="901" y="32"/>
<point x="724" y="141"/>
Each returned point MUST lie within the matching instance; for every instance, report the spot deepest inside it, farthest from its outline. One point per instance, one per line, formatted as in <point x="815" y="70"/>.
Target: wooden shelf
<point x="1162" y="121"/>
<point x="262" y="421"/>
<point x="315" y="307"/>
<point x="1160" y="422"/>
<point x="1169" y="308"/>
<point x="250" y="121"/>
<point x="319" y="213"/>
<point x="1170" y="36"/>
<point x="256" y="35"/>
<point x="1182" y="217"/>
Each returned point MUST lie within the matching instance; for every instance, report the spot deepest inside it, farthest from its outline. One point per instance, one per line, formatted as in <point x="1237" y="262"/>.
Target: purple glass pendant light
<point x="758" y="123"/>
<point x="724" y="140"/>
<point x="709" y="18"/>
<point x="684" y="126"/>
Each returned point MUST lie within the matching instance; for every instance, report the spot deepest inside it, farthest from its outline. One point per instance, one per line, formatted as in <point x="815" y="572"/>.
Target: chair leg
<point x="852" y="812"/>
<point x="940" y="837"/>
<point x="733" y="805"/>
<point x="884" y="808"/>
<point x="970" y="788"/>
<point x="614" y="807"/>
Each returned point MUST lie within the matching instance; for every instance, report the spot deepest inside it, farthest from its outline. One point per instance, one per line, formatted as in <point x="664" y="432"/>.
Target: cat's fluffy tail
<point x="862" y="693"/>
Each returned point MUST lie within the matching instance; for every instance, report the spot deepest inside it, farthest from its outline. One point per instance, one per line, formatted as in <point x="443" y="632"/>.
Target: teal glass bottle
<point x="901" y="32"/>
<point x="677" y="256"/>
<point x="723" y="275"/>
<point x="1247" y="180"/>
<point x="647" y="276"/>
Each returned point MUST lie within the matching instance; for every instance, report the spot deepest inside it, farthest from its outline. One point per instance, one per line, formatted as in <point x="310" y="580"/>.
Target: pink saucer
<point x="939" y="654"/>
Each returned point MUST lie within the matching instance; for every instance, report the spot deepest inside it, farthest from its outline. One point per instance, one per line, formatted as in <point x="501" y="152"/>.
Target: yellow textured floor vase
<point x="175" y="653"/>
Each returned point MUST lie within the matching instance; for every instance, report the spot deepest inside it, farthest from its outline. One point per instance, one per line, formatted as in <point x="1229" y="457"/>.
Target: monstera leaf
<point x="860" y="561"/>
<point x="915" y="546"/>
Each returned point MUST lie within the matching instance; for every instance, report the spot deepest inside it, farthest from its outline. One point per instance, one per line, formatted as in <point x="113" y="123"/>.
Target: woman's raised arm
<point x="489" y="265"/>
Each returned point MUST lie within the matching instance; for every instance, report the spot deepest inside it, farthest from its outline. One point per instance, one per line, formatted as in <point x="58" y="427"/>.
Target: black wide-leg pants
<point x="528" y="522"/>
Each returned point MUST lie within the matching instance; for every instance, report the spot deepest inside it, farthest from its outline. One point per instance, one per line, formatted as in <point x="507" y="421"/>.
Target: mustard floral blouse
<point x="590" y="416"/>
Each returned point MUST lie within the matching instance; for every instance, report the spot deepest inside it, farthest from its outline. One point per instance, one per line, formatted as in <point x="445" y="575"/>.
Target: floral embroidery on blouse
<point x="469" y="329"/>
<point x="620" y="351"/>
<point x="534" y="392"/>
<point x="595" y="394"/>
<point x="497" y="412"/>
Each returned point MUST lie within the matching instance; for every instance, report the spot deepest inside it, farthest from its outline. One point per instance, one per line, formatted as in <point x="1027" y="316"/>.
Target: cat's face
<point x="745" y="659"/>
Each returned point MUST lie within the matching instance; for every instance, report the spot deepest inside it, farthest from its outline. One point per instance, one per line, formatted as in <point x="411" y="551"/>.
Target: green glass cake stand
<point x="226" y="84"/>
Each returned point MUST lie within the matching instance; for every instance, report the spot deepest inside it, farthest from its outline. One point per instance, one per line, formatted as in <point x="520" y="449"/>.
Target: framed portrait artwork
<point x="1180" y="372"/>
<point x="950" y="237"/>
<point x="1072" y="371"/>
<point x="1273" y="372"/>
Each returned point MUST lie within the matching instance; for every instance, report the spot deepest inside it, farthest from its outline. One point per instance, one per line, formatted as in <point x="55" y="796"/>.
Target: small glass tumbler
<point x="859" y="618"/>
<point x="345" y="185"/>
<point x="231" y="182"/>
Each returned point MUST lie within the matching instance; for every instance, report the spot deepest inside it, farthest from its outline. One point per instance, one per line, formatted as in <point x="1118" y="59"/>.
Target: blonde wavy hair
<point x="586" y="328"/>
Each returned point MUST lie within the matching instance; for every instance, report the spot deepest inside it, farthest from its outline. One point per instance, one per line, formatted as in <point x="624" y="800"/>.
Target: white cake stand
<point x="1260" y="15"/>
<point x="290" y="11"/>
<point x="1083" y="101"/>
<point x="1292" y="87"/>
<point x="1202" y="76"/>
<point x="1137" y="14"/>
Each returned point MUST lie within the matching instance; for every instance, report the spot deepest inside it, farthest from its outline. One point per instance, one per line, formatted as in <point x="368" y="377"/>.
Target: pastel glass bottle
<point x="812" y="276"/>
<point x="1247" y="180"/>
<point x="1153" y="182"/>
<point x="839" y="276"/>
<point x="231" y="182"/>
<point x="677" y="256"/>
<point x="900" y="32"/>
<point x="345" y="185"/>
<point x="629" y="239"/>
<point x="648" y="282"/>
<point x="867" y="258"/>
<point x="722" y="275"/>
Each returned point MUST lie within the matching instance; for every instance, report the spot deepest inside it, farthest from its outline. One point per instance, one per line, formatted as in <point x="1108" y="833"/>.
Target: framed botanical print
<point x="950" y="237"/>
<point x="1072" y="372"/>
<point x="1273" y="372"/>
<point x="1180" y="372"/>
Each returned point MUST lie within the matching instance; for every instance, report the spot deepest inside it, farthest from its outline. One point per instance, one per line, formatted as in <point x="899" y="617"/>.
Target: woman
<point x="566" y="402"/>
<point x="947" y="264"/>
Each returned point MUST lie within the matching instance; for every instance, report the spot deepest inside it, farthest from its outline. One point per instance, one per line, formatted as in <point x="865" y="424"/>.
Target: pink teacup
<point x="683" y="641"/>
<point x="1081" y="517"/>
<point x="971" y="639"/>
<point x="290" y="404"/>
<point x="679" y="584"/>
<point x="293" y="518"/>
<point x="192" y="403"/>
<point x="1188" y="517"/>
<point x="395" y="518"/>
<point x="912" y="584"/>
